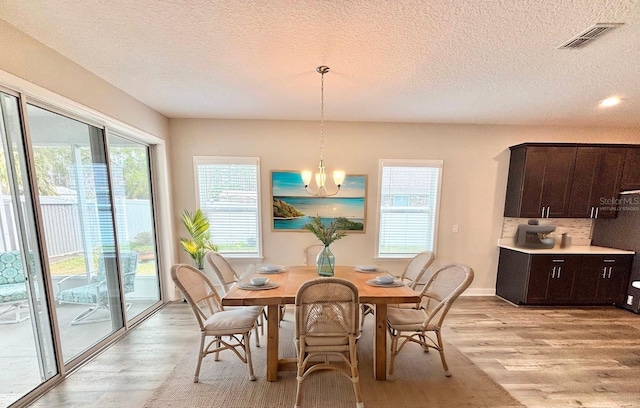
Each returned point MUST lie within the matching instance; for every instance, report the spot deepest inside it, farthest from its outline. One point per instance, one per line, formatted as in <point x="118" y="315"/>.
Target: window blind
<point x="408" y="208"/>
<point x="228" y="194"/>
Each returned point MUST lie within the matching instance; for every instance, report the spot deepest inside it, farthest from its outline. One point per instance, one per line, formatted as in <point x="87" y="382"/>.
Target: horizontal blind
<point x="228" y="193"/>
<point x="408" y="210"/>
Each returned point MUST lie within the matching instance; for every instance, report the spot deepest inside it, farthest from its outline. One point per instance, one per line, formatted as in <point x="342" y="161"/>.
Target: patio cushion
<point x="83" y="294"/>
<point x="13" y="292"/>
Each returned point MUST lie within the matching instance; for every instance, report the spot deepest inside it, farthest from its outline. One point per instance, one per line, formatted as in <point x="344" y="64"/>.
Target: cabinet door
<point x="631" y="173"/>
<point x="607" y="181"/>
<point x="596" y="179"/>
<point x="547" y="179"/>
<point x="551" y="279"/>
<point x="603" y="279"/>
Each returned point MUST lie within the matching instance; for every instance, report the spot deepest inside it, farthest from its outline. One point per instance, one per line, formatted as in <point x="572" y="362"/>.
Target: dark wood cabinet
<point x="539" y="181"/>
<point x="596" y="180"/>
<point x="631" y="173"/>
<point x="559" y="279"/>
<point x="569" y="180"/>
<point x="603" y="279"/>
<point x="551" y="279"/>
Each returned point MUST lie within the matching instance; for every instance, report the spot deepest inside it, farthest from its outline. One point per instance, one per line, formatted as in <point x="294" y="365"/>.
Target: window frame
<point x="429" y="163"/>
<point x="238" y="160"/>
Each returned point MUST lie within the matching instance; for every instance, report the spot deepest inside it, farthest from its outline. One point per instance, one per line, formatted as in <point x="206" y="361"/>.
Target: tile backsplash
<point x="579" y="228"/>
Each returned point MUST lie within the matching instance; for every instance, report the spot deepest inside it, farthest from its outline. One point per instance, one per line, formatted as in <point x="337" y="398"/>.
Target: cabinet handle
<point x="609" y="260"/>
<point x="559" y="270"/>
<point x="548" y="209"/>
<point x="597" y="210"/>
<point x="558" y="260"/>
<point x="604" y="272"/>
<point x="591" y="216"/>
<point x="610" y="269"/>
<point x="553" y="272"/>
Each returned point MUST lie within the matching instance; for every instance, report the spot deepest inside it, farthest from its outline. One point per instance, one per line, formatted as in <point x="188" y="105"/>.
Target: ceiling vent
<point x="589" y="35"/>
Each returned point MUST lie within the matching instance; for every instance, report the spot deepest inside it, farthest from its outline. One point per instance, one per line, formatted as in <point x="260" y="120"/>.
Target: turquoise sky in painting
<point x="289" y="184"/>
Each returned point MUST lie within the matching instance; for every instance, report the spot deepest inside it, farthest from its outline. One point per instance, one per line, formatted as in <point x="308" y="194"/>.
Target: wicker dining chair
<point x="311" y="253"/>
<point x="416" y="268"/>
<point x="423" y="325"/>
<point x="327" y="325"/>
<point x="228" y="329"/>
<point x="412" y="274"/>
<point x="227" y="277"/>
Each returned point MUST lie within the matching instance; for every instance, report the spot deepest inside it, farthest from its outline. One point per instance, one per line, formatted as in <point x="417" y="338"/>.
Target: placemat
<point x="266" y="286"/>
<point x="396" y="283"/>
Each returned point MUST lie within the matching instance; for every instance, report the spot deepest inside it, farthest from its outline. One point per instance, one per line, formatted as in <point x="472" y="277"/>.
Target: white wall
<point x="476" y="160"/>
<point x="43" y="75"/>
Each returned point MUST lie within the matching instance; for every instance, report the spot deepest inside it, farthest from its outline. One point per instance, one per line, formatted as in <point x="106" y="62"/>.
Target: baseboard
<point x="479" y="292"/>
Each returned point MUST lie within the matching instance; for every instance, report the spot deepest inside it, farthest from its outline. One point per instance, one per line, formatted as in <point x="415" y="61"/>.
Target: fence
<point x="63" y="223"/>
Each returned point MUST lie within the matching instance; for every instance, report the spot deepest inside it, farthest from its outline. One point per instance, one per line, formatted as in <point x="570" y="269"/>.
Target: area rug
<point x="419" y="381"/>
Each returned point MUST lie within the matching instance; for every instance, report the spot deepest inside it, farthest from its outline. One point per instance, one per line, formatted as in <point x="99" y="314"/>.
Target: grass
<point x="76" y="266"/>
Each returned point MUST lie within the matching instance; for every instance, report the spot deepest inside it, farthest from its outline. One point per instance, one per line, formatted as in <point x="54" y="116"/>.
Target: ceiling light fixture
<point x="321" y="176"/>
<point x="612" y="101"/>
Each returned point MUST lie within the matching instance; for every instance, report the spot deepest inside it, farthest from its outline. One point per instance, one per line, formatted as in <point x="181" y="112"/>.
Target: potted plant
<point x="327" y="234"/>
<point x="197" y="224"/>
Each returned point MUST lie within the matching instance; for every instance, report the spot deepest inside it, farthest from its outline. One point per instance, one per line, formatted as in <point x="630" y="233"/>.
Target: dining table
<point x="289" y="280"/>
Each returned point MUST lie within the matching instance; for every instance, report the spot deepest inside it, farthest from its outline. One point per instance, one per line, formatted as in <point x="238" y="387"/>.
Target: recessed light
<point x="612" y="101"/>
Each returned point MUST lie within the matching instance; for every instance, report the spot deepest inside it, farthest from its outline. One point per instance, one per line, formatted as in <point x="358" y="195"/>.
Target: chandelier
<point x="321" y="175"/>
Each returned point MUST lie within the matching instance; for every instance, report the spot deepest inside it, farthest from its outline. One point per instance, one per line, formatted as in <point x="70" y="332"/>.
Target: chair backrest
<point x="198" y="290"/>
<point x="417" y="267"/>
<point x="327" y="307"/>
<point x="311" y="253"/>
<point x="442" y="289"/>
<point x="223" y="270"/>
<point x="128" y="268"/>
<point x="11" y="268"/>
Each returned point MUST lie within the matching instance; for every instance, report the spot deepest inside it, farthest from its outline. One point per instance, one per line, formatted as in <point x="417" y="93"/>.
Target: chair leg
<point x="255" y="328"/>
<point x="200" y="357"/>
<point x="299" y="378"/>
<point x="355" y="378"/>
<point x="441" y="350"/>
<point x="247" y="353"/>
<point x="394" y="352"/>
<point x="216" y="356"/>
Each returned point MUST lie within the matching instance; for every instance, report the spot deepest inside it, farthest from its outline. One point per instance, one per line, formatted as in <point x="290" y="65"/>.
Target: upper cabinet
<point x="631" y="172"/>
<point x="569" y="180"/>
<point x="539" y="181"/>
<point x="596" y="180"/>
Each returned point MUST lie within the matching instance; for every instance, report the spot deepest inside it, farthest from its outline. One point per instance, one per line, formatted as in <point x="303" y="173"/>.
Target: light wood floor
<point x="545" y="357"/>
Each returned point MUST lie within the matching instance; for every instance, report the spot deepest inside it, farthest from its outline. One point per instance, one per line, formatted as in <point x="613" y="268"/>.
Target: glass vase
<point x="325" y="262"/>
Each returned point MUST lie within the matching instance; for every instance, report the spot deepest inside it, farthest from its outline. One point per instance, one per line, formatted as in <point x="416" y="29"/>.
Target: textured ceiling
<point x="440" y="61"/>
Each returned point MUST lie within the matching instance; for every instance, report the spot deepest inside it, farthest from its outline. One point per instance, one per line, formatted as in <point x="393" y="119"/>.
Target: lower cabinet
<point x="562" y="279"/>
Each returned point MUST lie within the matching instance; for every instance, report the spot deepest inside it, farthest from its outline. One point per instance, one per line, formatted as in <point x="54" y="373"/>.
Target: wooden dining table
<point x="290" y="281"/>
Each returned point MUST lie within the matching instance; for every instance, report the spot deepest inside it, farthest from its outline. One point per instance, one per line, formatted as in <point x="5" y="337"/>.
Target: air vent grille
<point x="589" y="35"/>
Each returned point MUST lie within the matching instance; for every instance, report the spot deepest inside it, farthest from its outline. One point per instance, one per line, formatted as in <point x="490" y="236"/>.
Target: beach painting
<point x="293" y="207"/>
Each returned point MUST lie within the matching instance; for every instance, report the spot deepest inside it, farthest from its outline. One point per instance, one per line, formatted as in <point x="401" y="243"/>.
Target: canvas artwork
<point x="293" y="207"/>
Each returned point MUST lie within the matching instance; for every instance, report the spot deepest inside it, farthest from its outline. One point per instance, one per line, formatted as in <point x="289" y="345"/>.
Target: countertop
<point x="572" y="250"/>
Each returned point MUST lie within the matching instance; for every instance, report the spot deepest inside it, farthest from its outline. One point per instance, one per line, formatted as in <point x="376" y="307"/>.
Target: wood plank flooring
<point x="545" y="357"/>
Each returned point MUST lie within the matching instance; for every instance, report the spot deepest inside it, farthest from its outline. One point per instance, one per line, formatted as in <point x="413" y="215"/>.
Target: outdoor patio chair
<point x="13" y="285"/>
<point x="327" y="325"/>
<point x="95" y="294"/>
<point x="423" y="325"/>
<point x="215" y="321"/>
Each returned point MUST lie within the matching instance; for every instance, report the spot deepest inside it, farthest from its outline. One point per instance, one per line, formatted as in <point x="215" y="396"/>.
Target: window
<point x="408" y="207"/>
<point x="228" y="192"/>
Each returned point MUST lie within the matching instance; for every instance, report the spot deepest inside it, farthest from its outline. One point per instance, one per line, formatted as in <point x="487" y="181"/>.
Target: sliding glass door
<point x="27" y="353"/>
<point x="77" y="213"/>
<point x="131" y="180"/>
<point x="78" y="253"/>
